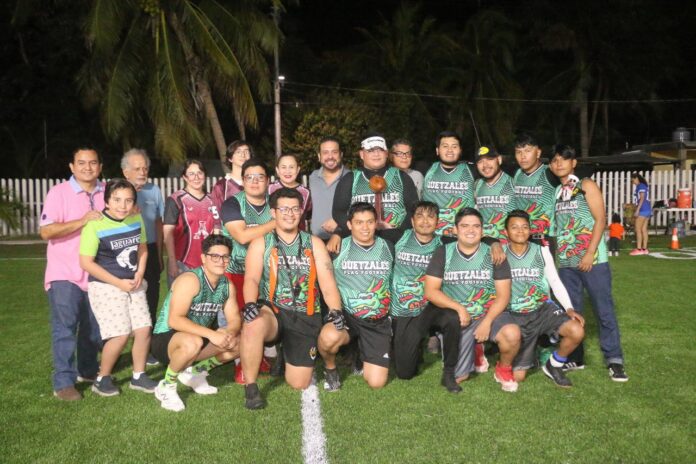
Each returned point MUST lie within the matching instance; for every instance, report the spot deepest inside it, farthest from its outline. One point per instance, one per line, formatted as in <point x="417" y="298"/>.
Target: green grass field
<point x="648" y="419"/>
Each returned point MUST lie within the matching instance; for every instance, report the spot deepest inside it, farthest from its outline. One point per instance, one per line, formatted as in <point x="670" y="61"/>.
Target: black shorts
<point x="374" y="338"/>
<point x="546" y="320"/>
<point x="159" y="345"/>
<point x="298" y="333"/>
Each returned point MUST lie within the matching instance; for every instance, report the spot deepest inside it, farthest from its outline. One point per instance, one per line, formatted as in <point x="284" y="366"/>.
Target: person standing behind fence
<point x="189" y="217"/>
<point x="237" y="153"/>
<point x="641" y="198"/>
<point x="75" y="336"/>
<point x="135" y="165"/>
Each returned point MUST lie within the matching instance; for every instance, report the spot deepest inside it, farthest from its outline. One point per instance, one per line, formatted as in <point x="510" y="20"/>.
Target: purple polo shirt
<point x="67" y="202"/>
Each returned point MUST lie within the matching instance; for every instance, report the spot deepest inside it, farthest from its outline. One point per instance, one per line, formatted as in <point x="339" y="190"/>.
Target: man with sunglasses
<point x="245" y="217"/>
<point x="286" y="271"/>
<point x="184" y="334"/>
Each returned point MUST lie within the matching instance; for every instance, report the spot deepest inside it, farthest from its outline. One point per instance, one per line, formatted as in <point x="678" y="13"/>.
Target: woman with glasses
<point x="401" y="157"/>
<point x="189" y="217"/>
<point x="237" y="153"/>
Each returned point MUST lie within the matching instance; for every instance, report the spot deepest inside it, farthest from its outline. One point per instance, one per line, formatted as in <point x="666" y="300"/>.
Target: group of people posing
<point x="379" y="257"/>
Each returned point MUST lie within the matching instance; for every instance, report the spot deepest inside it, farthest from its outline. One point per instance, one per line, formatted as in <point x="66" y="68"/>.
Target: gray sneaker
<point x="151" y="361"/>
<point x="105" y="387"/>
<point x="332" y="381"/>
<point x="143" y="384"/>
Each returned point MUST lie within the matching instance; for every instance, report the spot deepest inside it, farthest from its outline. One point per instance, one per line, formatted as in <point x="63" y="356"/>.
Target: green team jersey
<point x="252" y="218"/>
<point x="408" y="280"/>
<point x="469" y="281"/>
<point x="494" y="202"/>
<point x="205" y="304"/>
<point x="574" y="223"/>
<point x="363" y="276"/>
<point x="535" y="194"/>
<point x="292" y="277"/>
<point x="393" y="208"/>
<point x="450" y="191"/>
<point x="530" y="289"/>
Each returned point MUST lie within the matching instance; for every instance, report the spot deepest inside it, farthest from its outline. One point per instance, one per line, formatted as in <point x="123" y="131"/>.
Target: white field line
<point x="23" y="259"/>
<point x="313" y="438"/>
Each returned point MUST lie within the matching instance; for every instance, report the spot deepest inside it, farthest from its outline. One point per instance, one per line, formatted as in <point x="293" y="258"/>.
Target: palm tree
<point x="407" y="56"/>
<point x="485" y="79"/>
<point x="163" y="64"/>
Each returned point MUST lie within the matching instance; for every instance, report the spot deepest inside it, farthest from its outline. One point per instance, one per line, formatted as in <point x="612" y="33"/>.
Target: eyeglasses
<point x="402" y="154"/>
<point x="255" y="177"/>
<point x="288" y="209"/>
<point x="216" y="258"/>
<point x="242" y="152"/>
<point x="194" y="175"/>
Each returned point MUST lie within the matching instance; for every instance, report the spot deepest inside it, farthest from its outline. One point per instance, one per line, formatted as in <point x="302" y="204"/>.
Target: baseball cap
<point x="374" y="142"/>
<point x="486" y="152"/>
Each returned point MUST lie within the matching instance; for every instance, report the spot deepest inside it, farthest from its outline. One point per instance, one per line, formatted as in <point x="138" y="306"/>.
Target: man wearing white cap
<point x="398" y="195"/>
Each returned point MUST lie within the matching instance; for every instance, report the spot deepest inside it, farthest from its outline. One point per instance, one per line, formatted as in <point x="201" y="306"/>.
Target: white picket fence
<point x="616" y="186"/>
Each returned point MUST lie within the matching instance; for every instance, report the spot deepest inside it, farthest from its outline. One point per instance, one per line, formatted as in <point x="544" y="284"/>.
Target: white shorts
<point x="118" y="312"/>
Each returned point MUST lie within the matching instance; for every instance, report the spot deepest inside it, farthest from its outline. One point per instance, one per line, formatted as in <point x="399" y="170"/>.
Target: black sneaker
<point x="151" y="361"/>
<point x="278" y="367"/>
<point x="449" y="382"/>
<point x="332" y="381"/>
<point x="556" y="374"/>
<point x="143" y="384"/>
<point x="573" y="366"/>
<point x="105" y="387"/>
<point x="253" y="398"/>
<point x="617" y="373"/>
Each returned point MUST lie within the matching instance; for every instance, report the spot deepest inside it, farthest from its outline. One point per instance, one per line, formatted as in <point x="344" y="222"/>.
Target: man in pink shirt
<point x="67" y="208"/>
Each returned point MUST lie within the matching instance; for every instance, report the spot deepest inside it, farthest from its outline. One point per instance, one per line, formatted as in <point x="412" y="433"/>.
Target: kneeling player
<point x="183" y="334"/>
<point x="287" y="268"/>
<point x="462" y="276"/>
<point x="533" y="275"/>
<point x="412" y="316"/>
<point x="363" y="270"/>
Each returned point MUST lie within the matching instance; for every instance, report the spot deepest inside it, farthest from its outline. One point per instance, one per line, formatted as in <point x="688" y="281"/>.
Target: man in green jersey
<point x="397" y="198"/>
<point x="412" y="316"/>
<point x="534" y="275"/>
<point x="535" y="188"/>
<point x="461" y="276"/>
<point x="245" y="217"/>
<point x="494" y="193"/>
<point x="285" y="271"/>
<point x="184" y="335"/>
<point x="580" y="219"/>
<point x="449" y="183"/>
<point x="363" y="270"/>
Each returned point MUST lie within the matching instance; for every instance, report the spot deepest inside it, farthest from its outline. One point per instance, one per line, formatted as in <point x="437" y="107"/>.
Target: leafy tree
<point x="165" y="64"/>
<point x="333" y="114"/>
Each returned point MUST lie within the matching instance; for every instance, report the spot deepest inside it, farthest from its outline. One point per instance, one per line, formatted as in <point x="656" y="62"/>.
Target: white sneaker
<point x="168" y="397"/>
<point x="197" y="382"/>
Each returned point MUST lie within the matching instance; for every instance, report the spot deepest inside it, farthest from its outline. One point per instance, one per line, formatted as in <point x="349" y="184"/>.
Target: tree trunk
<point x="202" y="88"/>
<point x="595" y="111"/>
<point x="606" y="119"/>
<point x="584" y="132"/>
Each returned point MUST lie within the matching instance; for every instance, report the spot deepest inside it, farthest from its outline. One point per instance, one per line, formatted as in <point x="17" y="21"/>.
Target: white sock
<point x="136" y="375"/>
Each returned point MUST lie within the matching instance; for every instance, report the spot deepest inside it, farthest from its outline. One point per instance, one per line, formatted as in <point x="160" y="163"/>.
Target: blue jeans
<point x="73" y="328"/>
<point x="598" y="285"/>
